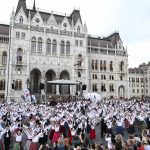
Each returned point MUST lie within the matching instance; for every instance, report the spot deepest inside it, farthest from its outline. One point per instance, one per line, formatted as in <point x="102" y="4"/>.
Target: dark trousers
<point x="7" y="146"/>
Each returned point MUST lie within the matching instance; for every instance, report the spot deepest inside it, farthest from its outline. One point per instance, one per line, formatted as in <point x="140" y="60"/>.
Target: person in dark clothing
<point x="103" y="127"/>
<point x="7" y="139"/>
<point x="148" y="122"/>
<point x="43" y="141"/>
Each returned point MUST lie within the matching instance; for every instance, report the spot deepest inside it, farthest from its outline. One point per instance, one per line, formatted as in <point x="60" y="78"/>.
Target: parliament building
<point x="53" y="54"/>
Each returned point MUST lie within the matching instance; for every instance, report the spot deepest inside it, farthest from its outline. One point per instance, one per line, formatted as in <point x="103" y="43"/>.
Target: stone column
<point x="57" y="89"/>
<point x="71" y="89"/>
<point x="10" y="62"/>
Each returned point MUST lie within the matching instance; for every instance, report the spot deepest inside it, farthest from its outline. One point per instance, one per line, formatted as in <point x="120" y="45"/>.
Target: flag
<point x="33" y="98"/>
<point x="27" y="95"/>
<point x="78" y="63"/>
<point x="23" y="97"/>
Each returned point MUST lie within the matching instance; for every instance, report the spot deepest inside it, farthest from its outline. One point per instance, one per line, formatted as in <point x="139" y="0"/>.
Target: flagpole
<point x="90" y="70"/>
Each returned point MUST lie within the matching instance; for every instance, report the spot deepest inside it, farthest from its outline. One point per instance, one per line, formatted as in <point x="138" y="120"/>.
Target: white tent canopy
<point x="63" y="82"/>
<point x="93" y="96"/>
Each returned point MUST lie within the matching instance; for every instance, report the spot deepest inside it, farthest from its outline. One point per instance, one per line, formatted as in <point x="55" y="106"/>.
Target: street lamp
<point x="13" y="84"/>
<point x="28" y="83"/>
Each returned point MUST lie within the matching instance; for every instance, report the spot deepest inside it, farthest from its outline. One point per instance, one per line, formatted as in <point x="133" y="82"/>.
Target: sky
<point x="130" y="17"/>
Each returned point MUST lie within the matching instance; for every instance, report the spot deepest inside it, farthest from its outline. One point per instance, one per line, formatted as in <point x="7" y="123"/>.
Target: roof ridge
<point x="1" y="24"/>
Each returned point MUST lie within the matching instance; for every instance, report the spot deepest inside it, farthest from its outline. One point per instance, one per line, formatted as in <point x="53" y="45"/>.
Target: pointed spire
<point x="29" y="16"/>
<point x="85" y="27"/>
<point x="34" y="8"/>
<point x="13" y="12"/>
<point x="21" y="4"/>
<point x="72" y="23"/>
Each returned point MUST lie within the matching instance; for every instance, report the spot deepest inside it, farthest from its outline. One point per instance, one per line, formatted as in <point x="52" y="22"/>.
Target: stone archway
<point x="35" y="77"/>
<point x="64" y="75"/>
<point x="121" y="91"/>
<point x="50" y="76"/>
<point x="64" y="89"/>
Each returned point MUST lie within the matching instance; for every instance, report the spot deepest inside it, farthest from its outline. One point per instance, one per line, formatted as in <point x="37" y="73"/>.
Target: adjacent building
<point x="139" y="81"/>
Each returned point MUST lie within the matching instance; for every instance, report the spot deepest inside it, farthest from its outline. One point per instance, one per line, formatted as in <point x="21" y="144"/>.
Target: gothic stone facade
<point x="4" y="40"/>
<point x="139" y="81"/>
<point x="109" y="66"/>
<point x="47" y="46"/>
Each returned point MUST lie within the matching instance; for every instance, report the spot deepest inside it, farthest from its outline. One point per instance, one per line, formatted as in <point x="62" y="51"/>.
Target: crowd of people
<point x="76" y="125"/>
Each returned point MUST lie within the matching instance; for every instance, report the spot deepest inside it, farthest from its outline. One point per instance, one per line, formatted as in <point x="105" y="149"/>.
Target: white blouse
<point x="29" y="135"/>
<point x="56" y="129"/>
<point x="36" y="138"/>
<point x="73" y="133"/>
<point x="18" y="138"/>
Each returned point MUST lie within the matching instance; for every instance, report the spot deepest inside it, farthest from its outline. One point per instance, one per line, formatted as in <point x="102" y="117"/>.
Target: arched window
<point x="21" y="20"/>
<point x="121" y="65"/>
<point x="18" y="85"/>
<point x="2" y="85"/>
<point x="104" y="65"/>
<point x="68" y="48"/>
<point x="111" y="88"/>
<point x="48" y="46"/>
<point x="19" y="56"/>
<point x="62" y="48"/>
<point x="133" y="79"/>
<point x="4" y="58"/>
<point x="146" y="79"/>
<point x="79" y="60"/>
<point x="111" y="66"/>
<point x="40" y="45"/>
<point x="103" y="88"/>
<point x="54" y="47"/>
<point x="137" y="80"/>
<point x="94" y="88"/>
<point x="76" y="43"/>
<point x="96" y="64"/>
<point x="19" y="71"/>
<point x="133" y="91"/>
<point x="92" y="64"/>
<point x="101" y="65"/>
<point x="78" y="29"/>
<point x="142" y="91"/>
<point x="33" y="45"/>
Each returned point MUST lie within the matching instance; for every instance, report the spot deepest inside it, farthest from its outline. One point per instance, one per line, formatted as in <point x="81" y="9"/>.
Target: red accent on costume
<point x="51" y="134"/>
<point x="56" y="136"/>
<point x="34" y="146"/>
<point x="1" y="145"/>
<point x="92" y="134"/>
<point x="126" y="122"/>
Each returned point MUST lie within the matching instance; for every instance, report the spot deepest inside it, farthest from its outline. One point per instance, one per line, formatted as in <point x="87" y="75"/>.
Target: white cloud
<point x="139" y="53"/>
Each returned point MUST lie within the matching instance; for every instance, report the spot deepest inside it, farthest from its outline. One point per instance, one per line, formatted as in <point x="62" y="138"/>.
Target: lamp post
<point x="13" y="84"/>
<point x="28" y="84"/>
<point x="28" y="94"/>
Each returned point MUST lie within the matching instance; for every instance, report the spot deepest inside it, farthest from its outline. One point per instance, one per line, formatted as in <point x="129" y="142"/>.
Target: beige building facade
<point x="139" y="81"/>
